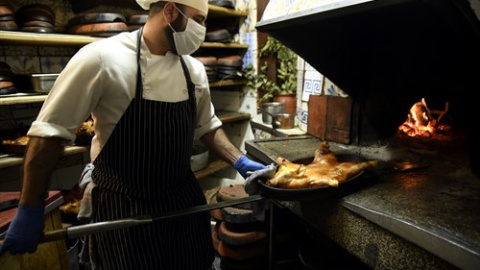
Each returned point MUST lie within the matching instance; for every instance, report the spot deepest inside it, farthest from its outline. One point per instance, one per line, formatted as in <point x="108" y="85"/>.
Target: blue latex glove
<point x="244" y="165"/>
<point x="24" y="231"/>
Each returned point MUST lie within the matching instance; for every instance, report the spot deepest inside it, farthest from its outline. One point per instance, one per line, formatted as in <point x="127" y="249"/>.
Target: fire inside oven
<point x="429" y="124"/>
<point x="423" y="122"/>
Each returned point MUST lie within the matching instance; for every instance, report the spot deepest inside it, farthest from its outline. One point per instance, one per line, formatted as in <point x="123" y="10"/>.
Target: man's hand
<point x="251" y="183"/>
<point x="251" y="186"/>
<point x="24" y="231"/>
<point x="244" y="165"/>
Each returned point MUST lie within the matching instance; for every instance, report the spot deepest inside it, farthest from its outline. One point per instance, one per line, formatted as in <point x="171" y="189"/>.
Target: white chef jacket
<point x="100" y="81"/>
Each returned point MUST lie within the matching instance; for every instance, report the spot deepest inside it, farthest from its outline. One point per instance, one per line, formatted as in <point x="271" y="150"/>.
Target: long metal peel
<point x="81" y="230"/>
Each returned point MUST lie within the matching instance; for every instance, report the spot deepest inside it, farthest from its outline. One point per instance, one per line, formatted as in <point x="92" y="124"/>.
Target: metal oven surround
<point x="387" y="55"/>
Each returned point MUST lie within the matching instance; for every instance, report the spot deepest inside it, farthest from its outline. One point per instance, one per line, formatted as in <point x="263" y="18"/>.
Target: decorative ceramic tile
<point x="31" y="59"/>
<point x="53" y="64"/>
<point x="250" y="38"/>
<point x="57" y="50"/>
<point x="20" y="50"/>
<point x="24" y="64"/>
<point x="248" y="24"/>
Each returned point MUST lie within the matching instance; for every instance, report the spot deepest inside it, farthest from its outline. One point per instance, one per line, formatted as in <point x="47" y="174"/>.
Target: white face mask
<point x="188" y="41"/>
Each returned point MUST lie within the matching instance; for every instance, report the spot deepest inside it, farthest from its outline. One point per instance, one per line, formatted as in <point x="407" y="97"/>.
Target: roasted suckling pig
<point x="325" y="170"/>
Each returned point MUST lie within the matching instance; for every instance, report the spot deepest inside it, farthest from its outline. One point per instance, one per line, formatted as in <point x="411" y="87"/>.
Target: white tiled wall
<point x="311" y="82"/>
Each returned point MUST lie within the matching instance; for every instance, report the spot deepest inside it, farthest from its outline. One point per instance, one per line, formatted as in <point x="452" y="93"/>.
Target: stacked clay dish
<point x="98" y="24"/>
<point x="35" y="18"/>
<point x="7" y="17"/>
<point x="7" y="85"/>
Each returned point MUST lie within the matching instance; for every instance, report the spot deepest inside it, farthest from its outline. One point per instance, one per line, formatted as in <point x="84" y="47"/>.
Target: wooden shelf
<point x="18" y="160"/>
<point x="229" y="117"/>
<point x="213" y="167"/>
<point x="22" y="99"/>
<point x="44" y="39"/>
<point x="62" y="39"/>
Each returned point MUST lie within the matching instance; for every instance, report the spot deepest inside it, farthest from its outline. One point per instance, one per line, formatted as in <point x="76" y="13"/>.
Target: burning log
<point x="440" y="113"/>
<point x="420" y="121"/>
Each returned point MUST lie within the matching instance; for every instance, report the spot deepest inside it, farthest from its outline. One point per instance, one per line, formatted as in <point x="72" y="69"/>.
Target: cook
<point x="149" y="100"/>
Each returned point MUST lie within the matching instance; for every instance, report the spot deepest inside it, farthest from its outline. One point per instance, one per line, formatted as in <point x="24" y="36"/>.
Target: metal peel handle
<point x="77" y="231"/>
<point x="80" y="230"/>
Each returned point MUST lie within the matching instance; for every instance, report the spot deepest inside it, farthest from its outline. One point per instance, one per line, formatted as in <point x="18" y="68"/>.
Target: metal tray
<point x="42" y="83"/>
<point x="316" y="192"/>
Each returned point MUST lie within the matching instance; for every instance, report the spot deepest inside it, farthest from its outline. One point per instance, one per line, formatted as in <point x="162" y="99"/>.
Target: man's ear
<point x="170" y="11"/>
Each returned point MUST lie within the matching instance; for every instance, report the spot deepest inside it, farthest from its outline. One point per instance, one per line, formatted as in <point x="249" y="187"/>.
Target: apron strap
<point x="139" y="85"/>
<point x="191" y="91"/>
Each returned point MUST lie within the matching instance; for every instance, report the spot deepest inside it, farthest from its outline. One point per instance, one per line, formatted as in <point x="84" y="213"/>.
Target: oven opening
<point x="430" y="124"/>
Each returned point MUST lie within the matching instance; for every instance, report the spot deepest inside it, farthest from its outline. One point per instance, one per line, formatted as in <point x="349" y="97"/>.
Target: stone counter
<point x="427" y="218"/>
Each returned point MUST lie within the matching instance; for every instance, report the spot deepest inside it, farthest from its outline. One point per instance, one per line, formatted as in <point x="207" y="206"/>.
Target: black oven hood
<point x="388" y="54"/>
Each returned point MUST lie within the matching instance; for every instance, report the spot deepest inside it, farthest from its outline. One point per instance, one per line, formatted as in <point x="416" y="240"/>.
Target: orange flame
<point x="419" y="121"/>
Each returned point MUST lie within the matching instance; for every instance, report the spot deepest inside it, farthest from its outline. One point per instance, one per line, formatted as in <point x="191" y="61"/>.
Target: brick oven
<point x="388" y="55"/>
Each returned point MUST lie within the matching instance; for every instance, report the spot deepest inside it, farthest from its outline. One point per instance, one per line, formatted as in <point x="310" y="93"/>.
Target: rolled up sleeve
<point x="206" y="119"/>
<point x="212" y="124"/>
<point x="71" y="98"/>
<point x="42" y="129"/>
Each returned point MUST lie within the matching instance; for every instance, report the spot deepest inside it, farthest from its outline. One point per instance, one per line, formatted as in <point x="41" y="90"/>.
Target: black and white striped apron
<point x="144" y="169"/>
